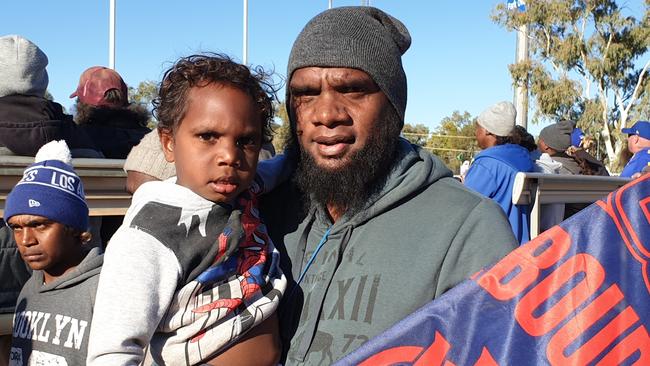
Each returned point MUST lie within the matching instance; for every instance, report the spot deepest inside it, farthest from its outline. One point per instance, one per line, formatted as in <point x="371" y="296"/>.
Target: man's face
<point x="347" y="132"/>
<point x="335" y="110"/>
<point x="216" y="146"/>
<point x="483" y="137"/>
<point x="632" y="142"/>
<point x="44" y="244"/>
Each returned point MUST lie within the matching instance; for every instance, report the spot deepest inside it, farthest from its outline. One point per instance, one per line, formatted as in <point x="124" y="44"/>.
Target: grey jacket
<point x="422" y="235"/>
<point x="52" y="321"/>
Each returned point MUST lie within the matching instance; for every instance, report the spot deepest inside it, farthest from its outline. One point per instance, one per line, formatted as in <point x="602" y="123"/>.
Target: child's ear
<point x="167" y="144"/>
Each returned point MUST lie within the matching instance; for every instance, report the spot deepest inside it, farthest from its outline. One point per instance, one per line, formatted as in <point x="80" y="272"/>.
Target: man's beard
<point x="350" y="187"/>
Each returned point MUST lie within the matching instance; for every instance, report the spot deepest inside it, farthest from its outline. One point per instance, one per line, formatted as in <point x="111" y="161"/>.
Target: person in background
<point x="493" y="171"/>
<point x="48" y="216"/>
<point x="105" y="114"/>
<point x="191" y="276"/>
<point x="14" y="273"/>
<point x="362" y="197"/>
<point x="638" y="143"/>
<point x="27" y="119"/>
<point x="556" y="141"/>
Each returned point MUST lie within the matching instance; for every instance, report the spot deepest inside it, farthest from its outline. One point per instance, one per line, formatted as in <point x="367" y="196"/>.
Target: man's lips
<point x="32" y="256"/>
<point x="333" y="145"/>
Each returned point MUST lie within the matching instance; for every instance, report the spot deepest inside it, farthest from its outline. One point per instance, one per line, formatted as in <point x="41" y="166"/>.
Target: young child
<point x="48" y="215"/>
<point x="192" y="269"/>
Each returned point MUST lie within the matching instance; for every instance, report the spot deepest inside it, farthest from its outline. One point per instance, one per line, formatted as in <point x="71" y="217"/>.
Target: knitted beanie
<point x="147" y="157"/>
<point x="50" y="188"/>
<point x="558" y="135"/>
<point x="499" y="119"/>
<point x="363" y="38"/>
<point x="22" y="67"/>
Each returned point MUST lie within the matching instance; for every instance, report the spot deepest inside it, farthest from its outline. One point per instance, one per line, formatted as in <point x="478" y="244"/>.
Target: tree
<point x="454" y="140"/>
<point x="143" y="95"/>
<point x="418" y="134"/>
<point x="281" y="129"/>
<point x="583" y="64"/>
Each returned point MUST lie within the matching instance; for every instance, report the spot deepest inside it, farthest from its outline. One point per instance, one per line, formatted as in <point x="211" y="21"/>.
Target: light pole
<point x="245" y="46"/>
<point x="111" y="35"/>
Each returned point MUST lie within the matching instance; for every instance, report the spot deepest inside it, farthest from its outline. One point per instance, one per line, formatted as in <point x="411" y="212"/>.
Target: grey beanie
<point x="499" y="119"/>
<point x="22" y="67"/>
<point x="558" y="135"/>
<point x="358" y="37"/>
<point x="147" y="157"/>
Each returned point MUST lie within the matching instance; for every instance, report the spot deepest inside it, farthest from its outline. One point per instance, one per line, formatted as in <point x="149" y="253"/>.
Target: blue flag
<point x="519" y="5"/>
<point x="578" y="294"/>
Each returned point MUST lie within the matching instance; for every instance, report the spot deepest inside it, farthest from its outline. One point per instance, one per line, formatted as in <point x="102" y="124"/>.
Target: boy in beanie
<point x="638" y="143"/>
<point x="27" y="119"/>
<point x="493" y="171"/>
<point x="360" y="192"/>
<point x="48" y="215"/>
<point x="202" y="276"/>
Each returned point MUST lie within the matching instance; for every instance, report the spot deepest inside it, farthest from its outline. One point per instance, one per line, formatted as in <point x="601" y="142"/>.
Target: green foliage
<point x="281" y="130"/>
<point x="143" y="95"/>
<point x="454" y="140"/>
<point x="584" y="64"/>
<point x="418" y="134"/>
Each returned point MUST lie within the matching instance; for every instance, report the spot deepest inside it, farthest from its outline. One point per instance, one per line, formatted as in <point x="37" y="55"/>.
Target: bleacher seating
<point x="536" y="189"/>
<point x="104" y="182"/>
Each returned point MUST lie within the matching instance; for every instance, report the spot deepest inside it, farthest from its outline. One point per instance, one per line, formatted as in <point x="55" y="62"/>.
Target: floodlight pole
<point x="521" y="91"/>
<point x="329" y="4"/>
<point x="245" y="46"/>
<point x="111" y="35"/>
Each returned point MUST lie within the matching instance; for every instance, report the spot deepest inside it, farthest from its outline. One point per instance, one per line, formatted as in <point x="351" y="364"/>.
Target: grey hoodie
<point x="423" y="234"/>
<point x="52" y="321"/>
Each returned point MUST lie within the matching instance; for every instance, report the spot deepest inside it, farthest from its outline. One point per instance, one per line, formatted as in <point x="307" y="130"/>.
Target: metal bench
<point x="104" y="182"/>
<point x="536" y="189"/>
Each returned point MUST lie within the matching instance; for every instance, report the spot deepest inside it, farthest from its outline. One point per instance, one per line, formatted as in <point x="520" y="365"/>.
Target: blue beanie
<point x="50" y="188"/>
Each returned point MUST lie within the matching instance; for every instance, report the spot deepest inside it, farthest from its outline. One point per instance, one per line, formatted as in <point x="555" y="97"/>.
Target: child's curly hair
<point x="199" y="70"/>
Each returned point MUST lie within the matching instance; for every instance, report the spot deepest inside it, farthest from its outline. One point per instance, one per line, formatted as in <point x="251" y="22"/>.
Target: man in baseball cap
<point x="638" y="143"/>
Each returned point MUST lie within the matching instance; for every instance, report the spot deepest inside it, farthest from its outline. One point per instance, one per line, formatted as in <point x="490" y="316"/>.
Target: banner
<point x="578" y="294"/>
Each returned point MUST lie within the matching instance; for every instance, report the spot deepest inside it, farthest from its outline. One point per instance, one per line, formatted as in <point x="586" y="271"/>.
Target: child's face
<point x="45" y="244"/>
<point x="216" y="146"/>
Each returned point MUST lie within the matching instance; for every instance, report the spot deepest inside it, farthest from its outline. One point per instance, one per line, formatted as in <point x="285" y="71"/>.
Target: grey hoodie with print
<point x="52" y="321"/>
<point x="423" y="234"/>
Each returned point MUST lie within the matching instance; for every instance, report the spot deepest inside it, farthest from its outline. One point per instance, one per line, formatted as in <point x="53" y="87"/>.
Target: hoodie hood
<point x="414" y="169"/>
<point x="90" y="266"/>
<point x="513" y="155"/>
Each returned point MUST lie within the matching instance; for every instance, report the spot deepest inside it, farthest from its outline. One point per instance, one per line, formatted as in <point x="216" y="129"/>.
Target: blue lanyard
<point x="313" y="256"/>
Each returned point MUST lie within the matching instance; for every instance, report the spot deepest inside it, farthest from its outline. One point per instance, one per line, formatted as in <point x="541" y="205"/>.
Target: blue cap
<point x="640" y="128"/>
<point x="576" y="137"/>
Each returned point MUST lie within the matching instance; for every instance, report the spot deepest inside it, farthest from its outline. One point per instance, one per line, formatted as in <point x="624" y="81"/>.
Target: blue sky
<point x="457" y="61"/>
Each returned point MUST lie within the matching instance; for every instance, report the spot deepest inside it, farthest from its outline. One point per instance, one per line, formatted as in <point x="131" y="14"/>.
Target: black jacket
<point x="116" y="131"/>
<point x="29" y="122"/>
<point x="13" y="271"/>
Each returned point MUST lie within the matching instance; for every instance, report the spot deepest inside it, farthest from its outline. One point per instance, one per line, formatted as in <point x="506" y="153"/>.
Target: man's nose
<point x="330" y="110"/>
<point x="26" y="237"/>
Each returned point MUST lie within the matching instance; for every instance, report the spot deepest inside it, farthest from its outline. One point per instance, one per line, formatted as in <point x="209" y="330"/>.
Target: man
<point x="638" y="143"/>
<point x="493" y="171"/>
<point x="557" y="140"/>
<point x="370" y="227"/>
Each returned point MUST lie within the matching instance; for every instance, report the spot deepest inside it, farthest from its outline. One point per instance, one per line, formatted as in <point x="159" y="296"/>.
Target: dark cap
<point x="640" y="128"/>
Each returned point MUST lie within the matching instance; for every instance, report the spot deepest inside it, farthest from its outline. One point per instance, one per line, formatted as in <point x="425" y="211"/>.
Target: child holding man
<point x="48" y="215"/>
<point x="192" y="269"/>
